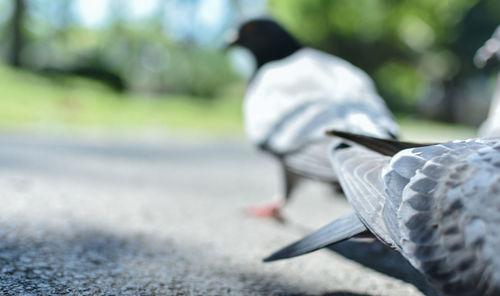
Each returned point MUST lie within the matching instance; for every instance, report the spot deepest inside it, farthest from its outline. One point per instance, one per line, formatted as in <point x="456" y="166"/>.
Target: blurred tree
<point x="408" y="47"/>
<point x="141" y="54"/>
<point x="65" y="19"/>
<point x="236" y="4"/>
<point x="17" y="23"/>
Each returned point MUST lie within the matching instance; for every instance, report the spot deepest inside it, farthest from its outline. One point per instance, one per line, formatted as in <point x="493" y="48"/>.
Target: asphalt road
<point x="142" y="216"/>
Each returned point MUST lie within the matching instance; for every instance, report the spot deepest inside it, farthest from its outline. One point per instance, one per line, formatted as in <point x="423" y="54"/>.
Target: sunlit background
<point x="150" y="63"/>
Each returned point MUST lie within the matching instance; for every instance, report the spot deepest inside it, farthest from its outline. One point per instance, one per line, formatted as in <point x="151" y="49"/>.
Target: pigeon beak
<point x="231" y="39"/>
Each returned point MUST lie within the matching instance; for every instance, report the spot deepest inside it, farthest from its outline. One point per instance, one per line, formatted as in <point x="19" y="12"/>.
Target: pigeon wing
<point x="448" y="217"/>
<point x="311" y="161"/>
<point x="360" y="173"/>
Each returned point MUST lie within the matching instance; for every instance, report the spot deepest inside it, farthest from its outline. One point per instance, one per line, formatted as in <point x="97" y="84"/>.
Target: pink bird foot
<point x="271" y="210"/>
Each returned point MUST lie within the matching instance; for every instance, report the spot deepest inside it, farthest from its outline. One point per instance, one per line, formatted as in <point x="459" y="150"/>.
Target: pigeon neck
<point x="275" y="53"/>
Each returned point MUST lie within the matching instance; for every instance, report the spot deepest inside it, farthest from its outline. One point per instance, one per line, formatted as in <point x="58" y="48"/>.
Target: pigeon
<point x="294" y="96"/>
<point x="437" y="204"/>
<point x="489" y="53"/>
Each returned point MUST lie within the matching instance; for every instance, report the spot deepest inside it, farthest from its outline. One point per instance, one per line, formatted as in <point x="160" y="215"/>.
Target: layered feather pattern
<point x="438" y="205"/>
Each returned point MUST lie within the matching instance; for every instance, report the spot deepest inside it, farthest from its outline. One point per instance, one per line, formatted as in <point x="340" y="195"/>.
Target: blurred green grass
<point x="418" y="130"/>
<point x="31" y="102"/>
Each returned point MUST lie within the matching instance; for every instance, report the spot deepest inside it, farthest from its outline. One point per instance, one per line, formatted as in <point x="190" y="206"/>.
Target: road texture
<point x="142" y="216"/>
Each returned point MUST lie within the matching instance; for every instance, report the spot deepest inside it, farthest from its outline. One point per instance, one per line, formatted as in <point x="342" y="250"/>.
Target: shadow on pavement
<point x="376" y="256"/>
<point x="381" y="258"/>
<point x="86" y="261"/>
<point x="340" y="293"/>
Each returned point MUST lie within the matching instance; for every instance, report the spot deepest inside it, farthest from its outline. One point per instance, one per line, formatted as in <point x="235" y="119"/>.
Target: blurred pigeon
<point x="294" y="96"/>
<point x="438" y="205"/>
<point x="488" y="53"/>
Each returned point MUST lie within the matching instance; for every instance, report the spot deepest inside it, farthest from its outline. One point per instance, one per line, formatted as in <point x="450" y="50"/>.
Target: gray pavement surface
<point x="142" y="216"/>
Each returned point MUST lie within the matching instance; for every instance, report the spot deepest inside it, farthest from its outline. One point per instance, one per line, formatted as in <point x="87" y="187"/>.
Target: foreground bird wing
<point x="337" y="231"/>
<point x="437" y="205"/>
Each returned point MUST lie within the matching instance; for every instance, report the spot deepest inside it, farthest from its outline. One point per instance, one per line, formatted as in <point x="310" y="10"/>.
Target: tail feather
<point x="337" y="231"/>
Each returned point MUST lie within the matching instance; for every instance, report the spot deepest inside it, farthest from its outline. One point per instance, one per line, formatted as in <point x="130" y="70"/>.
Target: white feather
<point x="293" y="101"/>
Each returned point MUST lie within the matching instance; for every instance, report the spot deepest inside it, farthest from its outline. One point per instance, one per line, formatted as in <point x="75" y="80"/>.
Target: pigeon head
<point x="266" y="39"/>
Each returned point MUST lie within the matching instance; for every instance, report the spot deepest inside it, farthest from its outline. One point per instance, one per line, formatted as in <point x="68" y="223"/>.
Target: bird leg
<point x="269" y="210"/>
<point x="273" y="209"/>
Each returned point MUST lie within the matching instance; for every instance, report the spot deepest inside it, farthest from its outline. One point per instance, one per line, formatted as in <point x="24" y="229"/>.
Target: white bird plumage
<point x="294" y="101"/>
<point x="295" y="95"/>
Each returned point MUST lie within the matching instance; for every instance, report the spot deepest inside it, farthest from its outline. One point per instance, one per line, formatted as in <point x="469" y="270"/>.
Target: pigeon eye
<point x="249" y="28"/>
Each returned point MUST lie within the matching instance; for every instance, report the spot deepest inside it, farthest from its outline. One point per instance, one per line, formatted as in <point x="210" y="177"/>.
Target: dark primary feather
<point x="387" y="147"/>
<point x="337" y="231"/>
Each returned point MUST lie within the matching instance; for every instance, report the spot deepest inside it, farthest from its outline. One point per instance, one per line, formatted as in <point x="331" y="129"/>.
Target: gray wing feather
<point x="437" y="204"/>
<point x="311" y="161"/>
<point x="359" y="172"/>
<point x="337" y="231"/>
<point x="448" y="216"/>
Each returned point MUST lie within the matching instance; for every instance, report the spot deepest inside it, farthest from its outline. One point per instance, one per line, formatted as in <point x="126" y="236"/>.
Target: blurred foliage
<point x="416" y="51"/>
<point x="80" y="105"/>
<point x="408" y="47"/>
<point x="139" y="55"/>
<point x="150" y="62"/>
<point x="30" y="101"/>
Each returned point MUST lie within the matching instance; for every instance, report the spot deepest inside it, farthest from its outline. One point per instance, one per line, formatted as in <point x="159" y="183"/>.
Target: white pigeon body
<point x="291" y="102"/>
<point x="296" y="94"/>
<point x="438" y="205"/>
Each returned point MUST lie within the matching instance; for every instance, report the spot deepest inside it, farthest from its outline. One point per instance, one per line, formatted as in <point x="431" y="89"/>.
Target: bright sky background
<point x="181" y="16"/>
<point x="204" y="22"/>
<point x="93" y="13"/>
